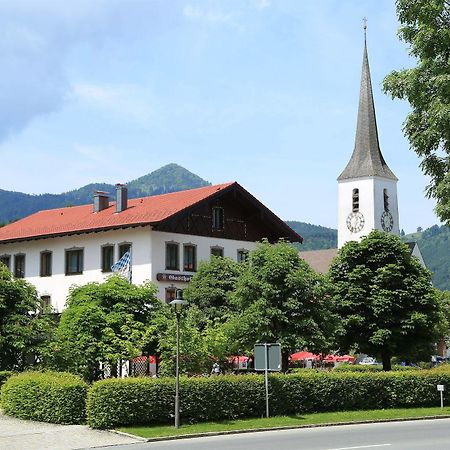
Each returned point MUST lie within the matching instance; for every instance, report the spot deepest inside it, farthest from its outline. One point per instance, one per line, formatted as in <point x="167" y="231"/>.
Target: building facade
<point x="166" y="235"/>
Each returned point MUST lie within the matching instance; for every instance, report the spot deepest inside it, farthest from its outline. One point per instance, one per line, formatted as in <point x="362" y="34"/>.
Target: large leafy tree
<point x="211" y="287"/>
<point x="425" y="26"/>
<point x="280" y="299"/>
<point x="384" y="296"/>
<point x="103" y="322"/>
<point x="23" y="329"/>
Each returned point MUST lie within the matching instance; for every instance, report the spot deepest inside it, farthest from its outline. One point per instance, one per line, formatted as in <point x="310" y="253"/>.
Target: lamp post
<point x="178" y="304"/>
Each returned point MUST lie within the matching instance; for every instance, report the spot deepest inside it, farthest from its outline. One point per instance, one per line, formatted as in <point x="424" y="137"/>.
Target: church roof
<point x="366" y="160"/>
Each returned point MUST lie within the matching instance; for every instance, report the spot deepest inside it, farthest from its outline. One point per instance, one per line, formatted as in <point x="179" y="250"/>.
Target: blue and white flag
<point x="123" y="266"/>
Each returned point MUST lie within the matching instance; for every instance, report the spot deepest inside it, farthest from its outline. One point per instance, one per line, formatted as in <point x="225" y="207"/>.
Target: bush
<point x="4" y="375"/>
<point x="371" y="368"/>
<point x="55" y="397"/>
<point x="134" y="401"/>
<point x="148" y="400"/>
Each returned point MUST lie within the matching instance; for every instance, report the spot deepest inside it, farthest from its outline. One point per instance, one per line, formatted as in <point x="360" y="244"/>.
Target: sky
<point x="262" y="92"/>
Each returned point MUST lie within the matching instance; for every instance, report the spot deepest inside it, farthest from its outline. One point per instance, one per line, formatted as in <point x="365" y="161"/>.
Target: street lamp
<point x="178" y="304"/>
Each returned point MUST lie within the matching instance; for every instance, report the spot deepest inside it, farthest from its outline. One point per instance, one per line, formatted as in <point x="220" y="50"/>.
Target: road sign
<point x="273" y="353"/>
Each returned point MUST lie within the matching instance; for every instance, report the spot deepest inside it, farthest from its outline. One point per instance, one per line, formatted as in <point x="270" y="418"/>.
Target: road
<point x="424" y="435"/>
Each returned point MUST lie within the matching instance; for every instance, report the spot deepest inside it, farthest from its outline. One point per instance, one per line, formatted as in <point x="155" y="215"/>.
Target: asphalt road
<point x="424" y="434"/>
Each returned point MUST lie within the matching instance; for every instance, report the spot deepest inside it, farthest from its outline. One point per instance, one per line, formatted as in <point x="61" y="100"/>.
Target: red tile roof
<point x="77" y="219"/>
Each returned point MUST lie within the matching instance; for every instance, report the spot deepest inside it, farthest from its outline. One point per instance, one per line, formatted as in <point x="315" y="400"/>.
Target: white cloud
<point x="128" y="101"/>
<point x="262" y="4"/>
<point x="207" y="16"/>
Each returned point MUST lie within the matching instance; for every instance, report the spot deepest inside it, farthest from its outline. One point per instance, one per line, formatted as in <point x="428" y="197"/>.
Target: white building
<point x="168" y="235"/>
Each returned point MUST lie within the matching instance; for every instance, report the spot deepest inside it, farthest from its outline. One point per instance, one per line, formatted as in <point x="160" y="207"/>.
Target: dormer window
<point x="355" y="200"/>
<point x="386" y="200"/>
<point x="217" y="218"/>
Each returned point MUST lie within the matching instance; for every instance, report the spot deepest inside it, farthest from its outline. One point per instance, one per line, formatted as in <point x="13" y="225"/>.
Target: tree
<point x="103" y="322"/>
<point x="280" y="299"/>
<point x="23" y="330"/>
<point x="384" y="297"/>
<point x="425" y="26"/>
<point x="212" y="285"/>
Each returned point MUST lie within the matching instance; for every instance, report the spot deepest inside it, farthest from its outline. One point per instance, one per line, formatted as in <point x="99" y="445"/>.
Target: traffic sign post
<point x="440" y="388"/>
<point x="267" y="358"/>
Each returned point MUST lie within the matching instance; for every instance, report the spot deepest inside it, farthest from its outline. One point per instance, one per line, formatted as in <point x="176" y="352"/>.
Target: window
<point x="170" y="294"/>
<point x="386" y="200"/>
<point x="107" y="257"/>
<point x="217" y="251"/>
<point x="189" y="259"/>
<point x="46" y="302"/>
<point x="123" y="248"/>
<point x="19" y="266"/>
<point x="6" y="260"/>
<point x="217" y="218"/>
<point x="74" y="262"/>
<point x="46" y="264"/>
<point x="242" y="255"/>
<point x="172" y="258"/>
<point x="355" y="200"/>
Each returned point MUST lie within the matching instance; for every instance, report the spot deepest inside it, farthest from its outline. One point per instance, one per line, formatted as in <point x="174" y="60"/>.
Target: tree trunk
<point x="386" y="358"/>
<point x="284" y="361"/>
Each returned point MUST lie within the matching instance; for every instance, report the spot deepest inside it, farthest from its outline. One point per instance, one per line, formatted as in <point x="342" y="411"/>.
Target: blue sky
<point x="264" y="92"/>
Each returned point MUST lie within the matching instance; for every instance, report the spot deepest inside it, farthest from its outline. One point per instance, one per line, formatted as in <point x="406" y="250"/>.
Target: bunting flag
<point x="123" y="266"/>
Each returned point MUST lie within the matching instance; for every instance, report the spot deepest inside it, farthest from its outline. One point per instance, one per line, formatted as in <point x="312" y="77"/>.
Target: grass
<point x="284" y="421"/>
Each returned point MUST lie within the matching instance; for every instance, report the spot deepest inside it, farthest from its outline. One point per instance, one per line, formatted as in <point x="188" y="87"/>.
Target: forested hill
<point x="315" y="237"/>
<point x="434" y="243"/>
<point x="170" y="178"/>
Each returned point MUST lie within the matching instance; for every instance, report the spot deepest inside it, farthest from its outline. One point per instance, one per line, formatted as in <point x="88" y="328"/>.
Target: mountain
<point x="169" y="178"/>
<point x="434" y="243"/>
<point x="315" y="237"/>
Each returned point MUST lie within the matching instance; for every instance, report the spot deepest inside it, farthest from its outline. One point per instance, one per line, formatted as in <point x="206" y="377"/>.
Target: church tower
<point x="367" y="187"/>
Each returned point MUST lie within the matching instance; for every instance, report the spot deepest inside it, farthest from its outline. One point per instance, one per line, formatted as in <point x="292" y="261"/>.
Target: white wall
<point x="148" y="258"/>
<point x="371" y="205"/>
<point x="57" y="285"/>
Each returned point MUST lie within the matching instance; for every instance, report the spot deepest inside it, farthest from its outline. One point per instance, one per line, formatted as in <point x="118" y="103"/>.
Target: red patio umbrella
<point x="301" y="356"/>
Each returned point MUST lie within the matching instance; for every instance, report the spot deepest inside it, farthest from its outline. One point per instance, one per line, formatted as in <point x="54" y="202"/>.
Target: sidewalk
<point x="16" y="434"/>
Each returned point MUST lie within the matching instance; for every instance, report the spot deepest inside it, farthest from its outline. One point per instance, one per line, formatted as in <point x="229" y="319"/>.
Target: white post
<point x="266" y="357"/>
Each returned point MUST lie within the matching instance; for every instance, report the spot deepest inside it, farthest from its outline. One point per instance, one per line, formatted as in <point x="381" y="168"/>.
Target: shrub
<point x="142" y="400"/>
<point x="371" y="368"/>
<point x="4" y="375"/>
<point x="55" y="397"/>
<point x="136" y="401"/>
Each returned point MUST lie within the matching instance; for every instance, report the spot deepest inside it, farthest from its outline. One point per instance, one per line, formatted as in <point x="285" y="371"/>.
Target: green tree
<point x="103" y="322"/>
<point x="211" y="287"/>
<point x="425" y="26"/>
<point x="280" y="299"/>
<point x="384" y="296"/>
<point x="23" y="330"/>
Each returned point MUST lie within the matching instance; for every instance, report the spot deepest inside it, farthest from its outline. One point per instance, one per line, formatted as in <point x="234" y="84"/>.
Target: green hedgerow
<point x="55" y="397"/>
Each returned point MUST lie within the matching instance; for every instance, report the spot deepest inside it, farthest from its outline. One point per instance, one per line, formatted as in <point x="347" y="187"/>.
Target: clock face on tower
<point x="387" y="221"/>
<point x="355" y="222"/>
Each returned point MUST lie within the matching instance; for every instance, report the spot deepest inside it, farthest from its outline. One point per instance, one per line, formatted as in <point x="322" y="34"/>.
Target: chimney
<point x="101" y="201"/>
<point x="121" y="197"/>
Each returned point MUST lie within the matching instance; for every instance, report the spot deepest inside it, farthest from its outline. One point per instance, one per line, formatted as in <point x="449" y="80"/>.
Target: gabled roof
<point x="366" y="160"/>
<point x="140" y="211"/>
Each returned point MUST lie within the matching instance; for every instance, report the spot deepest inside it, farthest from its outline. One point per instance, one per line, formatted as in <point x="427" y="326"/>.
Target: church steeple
<point x="367" y="187"/>
<point x="366" y="160"/>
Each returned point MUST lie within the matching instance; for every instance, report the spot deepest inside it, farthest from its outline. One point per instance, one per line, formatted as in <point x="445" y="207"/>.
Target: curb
<point x="289" y="427"/>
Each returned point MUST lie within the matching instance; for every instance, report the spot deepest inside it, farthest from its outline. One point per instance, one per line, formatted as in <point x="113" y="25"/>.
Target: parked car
<point x="368" y="361"/>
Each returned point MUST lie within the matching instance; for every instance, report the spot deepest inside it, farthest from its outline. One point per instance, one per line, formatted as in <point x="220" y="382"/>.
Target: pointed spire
<point x="366" y="160"/>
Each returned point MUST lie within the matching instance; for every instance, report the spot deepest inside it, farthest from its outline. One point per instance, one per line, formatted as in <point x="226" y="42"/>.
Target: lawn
<point x="284" y="421"/>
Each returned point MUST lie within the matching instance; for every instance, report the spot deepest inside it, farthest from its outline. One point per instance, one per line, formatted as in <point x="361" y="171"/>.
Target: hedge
<point x="132" y="401"/>
<point x="135" y="401"/>
<point x="371" y="368"/>
<point x="4" y="375"/>
<point x="55" y="397"/>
